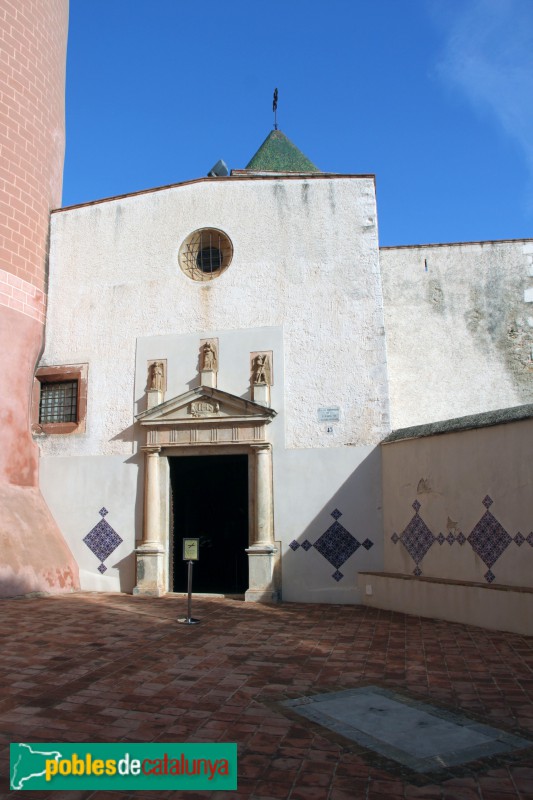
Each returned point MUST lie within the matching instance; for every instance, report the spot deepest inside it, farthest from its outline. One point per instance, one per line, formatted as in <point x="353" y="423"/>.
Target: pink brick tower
<point x="33" y="33"/>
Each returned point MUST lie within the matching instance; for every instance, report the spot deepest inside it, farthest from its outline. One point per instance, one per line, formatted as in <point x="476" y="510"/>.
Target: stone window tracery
<point x="205" y="254"/>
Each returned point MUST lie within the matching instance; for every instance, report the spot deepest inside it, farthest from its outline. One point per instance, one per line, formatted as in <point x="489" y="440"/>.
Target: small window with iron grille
<point x="58" y="402"/>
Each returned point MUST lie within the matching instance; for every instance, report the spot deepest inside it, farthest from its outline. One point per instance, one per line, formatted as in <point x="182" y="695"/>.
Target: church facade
<point x="236" y="352"/>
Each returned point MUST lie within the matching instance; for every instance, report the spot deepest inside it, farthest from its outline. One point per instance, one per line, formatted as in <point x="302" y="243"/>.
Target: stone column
<point x="264" y="511"/>
<point x="263" y="555"/>
<point x="151" y="552"/>
<point x="151" y="533"/>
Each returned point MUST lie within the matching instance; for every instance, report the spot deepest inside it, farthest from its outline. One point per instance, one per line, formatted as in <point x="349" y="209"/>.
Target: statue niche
<point x="261" y="371"/>
<point x="156" y="376"/>
<point x="209" y="357"/>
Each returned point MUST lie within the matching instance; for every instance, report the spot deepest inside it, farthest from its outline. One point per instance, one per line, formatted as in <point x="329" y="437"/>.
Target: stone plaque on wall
<point x="329" y="414"/>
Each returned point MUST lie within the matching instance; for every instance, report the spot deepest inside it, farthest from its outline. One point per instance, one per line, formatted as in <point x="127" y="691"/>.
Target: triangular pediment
<point x="205" y="404"/>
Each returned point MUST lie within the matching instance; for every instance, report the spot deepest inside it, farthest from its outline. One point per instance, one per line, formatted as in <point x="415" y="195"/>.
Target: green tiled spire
<point x="279" y="154"/>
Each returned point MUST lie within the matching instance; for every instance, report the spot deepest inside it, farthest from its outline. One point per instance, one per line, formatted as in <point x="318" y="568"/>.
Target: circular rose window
<point x="205" y="254"/>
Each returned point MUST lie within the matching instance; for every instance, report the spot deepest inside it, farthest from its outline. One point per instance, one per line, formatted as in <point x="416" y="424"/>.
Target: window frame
<point x="59" y="374"/>
<point x="201" y="239"/>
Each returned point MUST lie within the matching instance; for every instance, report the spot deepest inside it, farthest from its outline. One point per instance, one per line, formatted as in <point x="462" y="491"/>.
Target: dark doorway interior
<point x="210" y="501"/>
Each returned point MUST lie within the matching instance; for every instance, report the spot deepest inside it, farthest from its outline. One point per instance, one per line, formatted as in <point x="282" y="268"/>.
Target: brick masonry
<point x="22" y="296"/>
<point x="33" y="36"/>
<point x="33" y="39"/>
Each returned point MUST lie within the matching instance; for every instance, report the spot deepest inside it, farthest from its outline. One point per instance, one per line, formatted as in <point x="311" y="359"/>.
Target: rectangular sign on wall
<point x="329" y="414"/>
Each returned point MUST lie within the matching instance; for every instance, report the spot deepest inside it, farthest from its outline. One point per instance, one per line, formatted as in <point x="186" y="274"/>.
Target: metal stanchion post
<point x="189" y="548"/>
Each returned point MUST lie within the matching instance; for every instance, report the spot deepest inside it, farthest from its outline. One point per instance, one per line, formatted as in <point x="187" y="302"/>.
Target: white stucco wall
<point x="76" y="489"/>
<point x="459" y="334"/>
<point x="310" y="485"/>
<point x="304" y="284"/>
<point x="305" y="258"/>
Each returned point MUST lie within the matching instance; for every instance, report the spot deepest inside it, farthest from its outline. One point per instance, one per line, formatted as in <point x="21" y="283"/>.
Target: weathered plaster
<point x="450" y="474"/>
<point x="458" y="338"/>
<point x="34" y="558"/>
<point x="25" y="521"/>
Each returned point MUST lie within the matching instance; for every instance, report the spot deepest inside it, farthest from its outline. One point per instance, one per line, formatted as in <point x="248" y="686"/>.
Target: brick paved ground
<point x="89" y="667"/>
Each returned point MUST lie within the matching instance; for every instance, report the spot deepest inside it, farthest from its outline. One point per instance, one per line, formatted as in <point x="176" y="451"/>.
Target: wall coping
<point x="484" y="420"/>
<point x="454" y="244"/>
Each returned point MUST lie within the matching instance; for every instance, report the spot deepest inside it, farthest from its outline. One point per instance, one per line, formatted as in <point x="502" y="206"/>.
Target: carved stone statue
<point x="156" y="378"/>
<point x="209" y="357"/>
<point x="261" y="369"/>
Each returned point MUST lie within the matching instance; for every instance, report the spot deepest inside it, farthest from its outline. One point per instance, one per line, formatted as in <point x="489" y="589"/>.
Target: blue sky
<point x="434" y="97"/>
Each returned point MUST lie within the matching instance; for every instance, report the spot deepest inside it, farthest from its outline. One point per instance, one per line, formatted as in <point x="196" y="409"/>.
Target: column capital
<point x="151" y="449"/>
<point x="259" y="446"/>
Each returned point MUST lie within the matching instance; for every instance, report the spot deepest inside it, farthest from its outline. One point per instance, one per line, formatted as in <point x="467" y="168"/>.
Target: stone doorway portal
<point x="206" y="423"/>
<point x="209" y="500"/>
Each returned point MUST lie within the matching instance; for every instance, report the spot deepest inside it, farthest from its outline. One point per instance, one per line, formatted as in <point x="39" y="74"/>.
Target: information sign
<point x="190" y="549"/>
<point x="329" y="414"/>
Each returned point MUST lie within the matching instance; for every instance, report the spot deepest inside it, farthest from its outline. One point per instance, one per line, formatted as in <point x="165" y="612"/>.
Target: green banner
<point x="124" y="766"/>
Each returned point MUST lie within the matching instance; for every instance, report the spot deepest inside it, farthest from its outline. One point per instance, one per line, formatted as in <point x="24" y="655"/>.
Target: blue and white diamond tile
<point x="529" y="538"/>
<point x="489" y="540"/>
<point x="487" y="501"/>
<point x="395" y="538"/>
<point x="489" y="576"/>
<point x="103" y="511"/>
<point x="440" y="538"/>
<point x="461" y="538"/>
<point x="519" y="539"/>
<point x="336" y="544"/>
<point x="102" y="540"/>
<point x="417" y="538"/>
<point x="450" y="538"/>
<point x="417" y="571"/>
